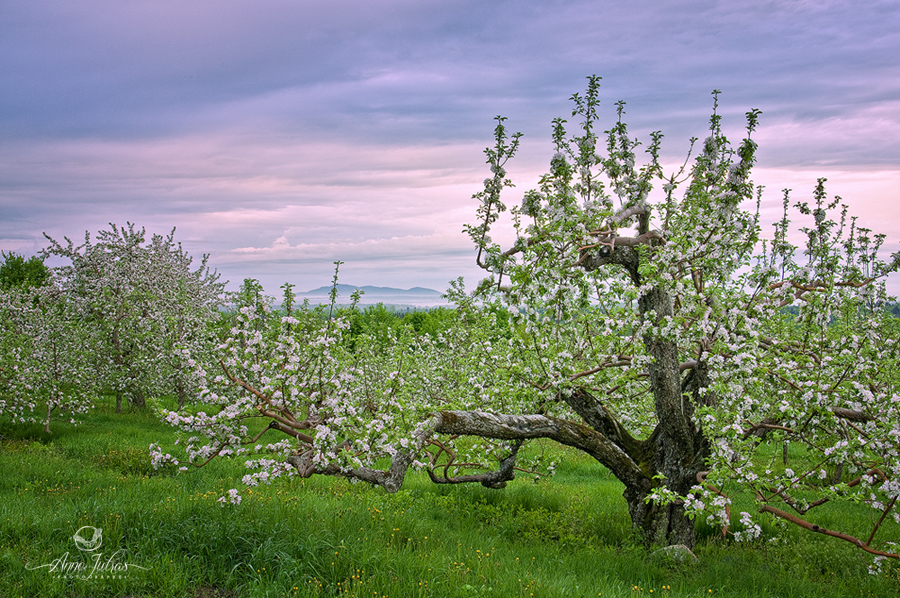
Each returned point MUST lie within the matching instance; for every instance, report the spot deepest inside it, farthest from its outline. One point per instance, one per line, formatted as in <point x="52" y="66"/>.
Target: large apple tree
<point x="639" y="317"/>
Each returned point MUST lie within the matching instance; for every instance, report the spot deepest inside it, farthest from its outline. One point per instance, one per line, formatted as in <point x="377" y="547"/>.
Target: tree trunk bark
<point x="181" y="393"/>
<point x="680" y="446"/>
<point x="137" y="399"/>
<point x="663" y="525"/>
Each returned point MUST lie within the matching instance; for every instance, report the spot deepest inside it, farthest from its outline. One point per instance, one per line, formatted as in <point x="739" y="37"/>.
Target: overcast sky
<point x="281" y="135"/>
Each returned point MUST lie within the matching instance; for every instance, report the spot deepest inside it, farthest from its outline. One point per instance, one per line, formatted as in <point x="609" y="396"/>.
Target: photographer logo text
<point x="89" y="562"/>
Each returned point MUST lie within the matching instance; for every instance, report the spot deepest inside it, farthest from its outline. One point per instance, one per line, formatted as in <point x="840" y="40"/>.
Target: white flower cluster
<point x="159" y="460"/>
<point x="233" y="497"/>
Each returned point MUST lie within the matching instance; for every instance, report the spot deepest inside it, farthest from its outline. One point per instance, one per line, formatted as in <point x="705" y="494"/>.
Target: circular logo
<point x="83" y="542"/>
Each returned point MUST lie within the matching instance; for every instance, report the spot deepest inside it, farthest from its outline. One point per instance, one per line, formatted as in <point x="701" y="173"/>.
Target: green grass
<point x="566" y="536"/>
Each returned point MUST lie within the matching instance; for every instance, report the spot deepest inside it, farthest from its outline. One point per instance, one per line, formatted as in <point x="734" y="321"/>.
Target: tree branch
<point x="486" y="425"/>
<point x="622" y="255"/>
<point x="851" y="415"/>
<point x="523" y="427"/>
<point x="491" y="479"/>
<point x="597" y="416"/>
<point x="821" y="530"/>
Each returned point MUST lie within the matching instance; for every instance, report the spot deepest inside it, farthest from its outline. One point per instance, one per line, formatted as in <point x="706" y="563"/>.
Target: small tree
<point x="142" y="303"/>
<point x="662" y="336"/>
<point x="44" y="371"/>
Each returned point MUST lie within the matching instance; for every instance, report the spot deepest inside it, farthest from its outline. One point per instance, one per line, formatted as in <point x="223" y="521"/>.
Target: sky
<point x="281" y="135"/>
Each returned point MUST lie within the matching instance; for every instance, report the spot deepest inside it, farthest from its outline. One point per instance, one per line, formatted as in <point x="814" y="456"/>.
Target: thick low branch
<point x="486" y="425"/>
<point x="599" y="417"/>
<point x="524" y="427"/>
<point x="623" y="255"/>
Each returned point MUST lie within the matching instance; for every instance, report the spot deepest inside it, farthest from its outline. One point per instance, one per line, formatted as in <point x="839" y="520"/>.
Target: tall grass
<point x="566" y="536"/>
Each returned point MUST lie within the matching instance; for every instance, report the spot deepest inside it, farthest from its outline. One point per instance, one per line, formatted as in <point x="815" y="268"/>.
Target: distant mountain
<point x="389" y="296"/>
<point x="345" y="290"/>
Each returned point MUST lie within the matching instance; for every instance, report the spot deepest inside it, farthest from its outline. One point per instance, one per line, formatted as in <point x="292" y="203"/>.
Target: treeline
<point x="379" y="320"/>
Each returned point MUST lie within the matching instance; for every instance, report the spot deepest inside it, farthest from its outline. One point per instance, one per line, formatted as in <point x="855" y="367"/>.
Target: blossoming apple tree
<point x="143" y="304"/>
<point x="44" y="371"/>
<point x="651" y="325"/>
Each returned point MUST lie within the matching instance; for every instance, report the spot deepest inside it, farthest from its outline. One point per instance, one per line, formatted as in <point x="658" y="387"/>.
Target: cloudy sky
<point x="281" y="135"/>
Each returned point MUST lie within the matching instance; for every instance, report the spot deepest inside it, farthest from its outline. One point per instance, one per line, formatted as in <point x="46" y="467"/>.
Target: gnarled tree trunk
<point x="677" y="448"/>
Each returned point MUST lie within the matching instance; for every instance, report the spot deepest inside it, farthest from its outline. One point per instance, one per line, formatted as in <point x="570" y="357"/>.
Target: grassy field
<point x="567" y="536"/>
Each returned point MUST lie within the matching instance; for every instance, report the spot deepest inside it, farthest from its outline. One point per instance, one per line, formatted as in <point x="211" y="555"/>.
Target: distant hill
<point x="346" y="289"/>
<point x="416" y="296"/>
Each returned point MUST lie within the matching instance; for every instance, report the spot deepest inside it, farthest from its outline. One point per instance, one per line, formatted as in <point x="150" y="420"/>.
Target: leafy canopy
<point x="16" y="271"/>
